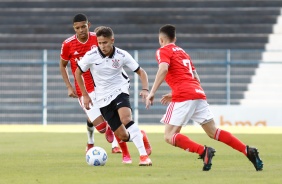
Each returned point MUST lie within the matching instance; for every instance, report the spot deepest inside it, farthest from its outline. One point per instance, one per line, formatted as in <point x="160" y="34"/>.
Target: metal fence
<point x="32" y="90"/>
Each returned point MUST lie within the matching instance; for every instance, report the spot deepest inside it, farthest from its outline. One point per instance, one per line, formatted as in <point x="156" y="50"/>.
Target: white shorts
<point x="179" y="113"/>
<point x="94" y="111"/>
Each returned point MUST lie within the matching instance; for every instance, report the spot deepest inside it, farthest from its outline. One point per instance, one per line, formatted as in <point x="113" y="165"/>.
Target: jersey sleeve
<point x="163" y="55"/>
<point x="85" y="62"/>
<point x="130" y="62"/>
<point x="65" y="50"/>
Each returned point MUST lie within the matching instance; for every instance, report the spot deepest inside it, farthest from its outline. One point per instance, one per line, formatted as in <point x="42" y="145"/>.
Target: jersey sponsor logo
<point x="115" y="63"/>
<point x="75" y="53"/>
<point x="110" y="96"/>
<point x="119" y="103"/>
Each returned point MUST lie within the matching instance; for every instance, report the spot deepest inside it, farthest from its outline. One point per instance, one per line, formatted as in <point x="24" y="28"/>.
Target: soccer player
<point x="188" y="101"/>
<point x="106" y="64"/>
<point x="73" y="49"/>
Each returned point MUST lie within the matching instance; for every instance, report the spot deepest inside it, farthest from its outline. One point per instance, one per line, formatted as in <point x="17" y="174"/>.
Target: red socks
<point x="181" y="141"/>
<point x="102" y="127"/>
<point x="230" y="140"/>
<point x="123" y="146"/>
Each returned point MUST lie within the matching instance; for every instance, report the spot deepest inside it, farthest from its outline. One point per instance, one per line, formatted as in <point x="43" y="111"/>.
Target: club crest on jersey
<point x="115" y="63"/>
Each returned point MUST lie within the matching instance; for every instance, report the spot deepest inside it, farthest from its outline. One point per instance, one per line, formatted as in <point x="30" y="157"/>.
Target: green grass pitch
<point x="59" y="158"/>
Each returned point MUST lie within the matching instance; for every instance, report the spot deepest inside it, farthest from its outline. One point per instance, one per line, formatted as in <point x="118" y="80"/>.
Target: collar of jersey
<point x="103" y="55"/>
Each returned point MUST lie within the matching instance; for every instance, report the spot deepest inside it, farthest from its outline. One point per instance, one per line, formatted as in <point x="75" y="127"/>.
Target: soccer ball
<point x="96" y="156"/>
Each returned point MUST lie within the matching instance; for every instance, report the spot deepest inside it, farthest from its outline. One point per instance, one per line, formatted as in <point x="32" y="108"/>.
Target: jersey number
<point x="187" y="62"/>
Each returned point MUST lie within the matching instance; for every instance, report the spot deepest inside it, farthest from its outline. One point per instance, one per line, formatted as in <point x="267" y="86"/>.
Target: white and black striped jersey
<point x="108" y="73"/>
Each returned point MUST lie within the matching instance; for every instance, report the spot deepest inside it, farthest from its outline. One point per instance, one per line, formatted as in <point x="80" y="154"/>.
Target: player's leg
<point x="113" y="119"/>
<point x="102" y="126"/>
<point x="204" y="115"/>
<point x="146" y="142"/>
<point x="134" y="134"/>
<point x="96" y="118"/>
<point x="122" y="137"/>
<point x="144" y="136"/>
<point x="224" y="136"/>
<point x="125" y="115"/>
<point x="90" y="135"/>
<point x="89" y="127"/>
<point x="175" y="138"/>
<point x="115" y="146"/>
<point x="176" y="116"/>
<point x="105" y="128"/>
<point x="232" y="141"/>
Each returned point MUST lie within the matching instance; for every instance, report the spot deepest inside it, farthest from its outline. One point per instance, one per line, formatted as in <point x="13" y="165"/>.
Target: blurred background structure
<point x="236" y="46"/>
<point x="204" y="24"/>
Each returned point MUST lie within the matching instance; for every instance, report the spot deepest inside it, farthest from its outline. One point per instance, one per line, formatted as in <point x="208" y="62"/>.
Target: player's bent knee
<point x="101" y="127"/>
<point x="211" y="136"/>
<point x="167" y="139"/>
<point x="102" y="132"/>
<point x="123" y="136"/>
<point x="125" y="121"/>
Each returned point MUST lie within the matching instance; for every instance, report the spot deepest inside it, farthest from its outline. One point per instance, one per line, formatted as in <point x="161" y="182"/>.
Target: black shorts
<point x="110" y="112"/>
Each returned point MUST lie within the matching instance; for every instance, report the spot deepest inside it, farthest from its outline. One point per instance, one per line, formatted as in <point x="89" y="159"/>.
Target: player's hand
<point x="144" y="94"/>
<point x="87" y="102"/>
<point x="166" y="99"/>
<point x="149" y="100"/>
<point x="72" y="92"/>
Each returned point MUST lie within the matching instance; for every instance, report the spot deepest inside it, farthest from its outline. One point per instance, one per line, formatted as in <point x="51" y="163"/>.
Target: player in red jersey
<point x="73" y="49"/>
<point x="188" y="101"/>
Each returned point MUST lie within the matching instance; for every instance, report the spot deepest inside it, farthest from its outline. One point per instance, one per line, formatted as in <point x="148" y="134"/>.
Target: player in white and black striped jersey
<point x="106" y="64"/>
